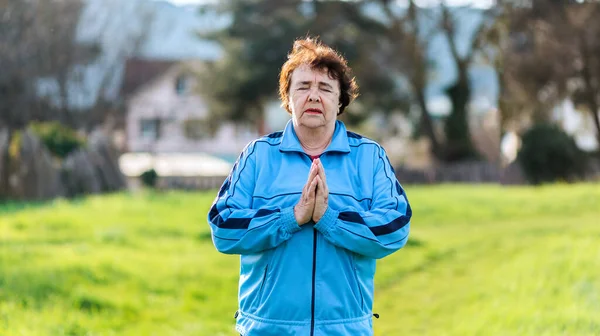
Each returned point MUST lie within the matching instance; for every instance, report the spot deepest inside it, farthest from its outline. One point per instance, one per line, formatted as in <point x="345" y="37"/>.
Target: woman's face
<point x="314" y="97"/>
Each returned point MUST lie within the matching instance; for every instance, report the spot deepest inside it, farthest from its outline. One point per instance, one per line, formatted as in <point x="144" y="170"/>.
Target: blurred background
<point x="120" y="119"/>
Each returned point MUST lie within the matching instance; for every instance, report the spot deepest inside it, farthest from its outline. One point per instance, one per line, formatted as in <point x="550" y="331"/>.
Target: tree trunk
<point x="459" y="145"/>
<point x="419" y="78"/>
<point x="427" y="124"/>
<point x="597" y="122"/>
<point x="5" y="135"/>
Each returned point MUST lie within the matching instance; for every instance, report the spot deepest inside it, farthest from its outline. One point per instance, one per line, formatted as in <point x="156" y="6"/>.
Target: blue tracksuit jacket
<point x="315" y="279"/>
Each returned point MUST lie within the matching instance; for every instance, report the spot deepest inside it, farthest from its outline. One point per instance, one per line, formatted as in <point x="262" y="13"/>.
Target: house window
<point x="150" y="129"/>
<point x="181" y="85"/>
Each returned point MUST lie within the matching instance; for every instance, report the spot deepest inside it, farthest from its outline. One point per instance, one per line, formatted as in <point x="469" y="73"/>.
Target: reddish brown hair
<point x="317" y="55"/>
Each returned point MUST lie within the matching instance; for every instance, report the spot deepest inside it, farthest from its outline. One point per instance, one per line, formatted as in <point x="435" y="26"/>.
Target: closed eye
<point x="325" y="87"/>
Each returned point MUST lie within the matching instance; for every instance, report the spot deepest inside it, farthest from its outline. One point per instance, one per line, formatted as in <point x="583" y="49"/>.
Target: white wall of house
<point x="578" y="124"/>
<point x="157" y="114"/>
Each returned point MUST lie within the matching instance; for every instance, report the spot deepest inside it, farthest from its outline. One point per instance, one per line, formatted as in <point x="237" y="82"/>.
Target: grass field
<point x="481" y="260"/>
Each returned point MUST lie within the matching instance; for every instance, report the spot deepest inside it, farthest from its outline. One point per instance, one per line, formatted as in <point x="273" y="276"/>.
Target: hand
<point x="303" y="211"/>
<point x="322" y="197"/>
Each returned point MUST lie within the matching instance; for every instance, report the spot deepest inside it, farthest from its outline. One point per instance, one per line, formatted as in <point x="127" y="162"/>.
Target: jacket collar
<point x="339" y="143"/>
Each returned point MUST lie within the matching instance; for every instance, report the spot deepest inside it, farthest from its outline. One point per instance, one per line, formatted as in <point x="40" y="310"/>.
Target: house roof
<point x="139" y="71"/>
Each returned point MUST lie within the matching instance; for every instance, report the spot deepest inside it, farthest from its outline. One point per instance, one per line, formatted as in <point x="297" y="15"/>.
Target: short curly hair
<point x="317" y="55"/>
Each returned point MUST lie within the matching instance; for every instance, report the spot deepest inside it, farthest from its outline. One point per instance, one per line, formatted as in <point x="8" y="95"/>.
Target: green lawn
<point x="481" y="260"/>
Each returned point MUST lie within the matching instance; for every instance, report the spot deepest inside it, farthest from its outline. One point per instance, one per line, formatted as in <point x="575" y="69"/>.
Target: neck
<point x="314" y="141"/>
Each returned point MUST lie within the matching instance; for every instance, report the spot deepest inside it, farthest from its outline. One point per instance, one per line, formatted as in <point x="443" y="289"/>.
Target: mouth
<point x="313" y="111"/>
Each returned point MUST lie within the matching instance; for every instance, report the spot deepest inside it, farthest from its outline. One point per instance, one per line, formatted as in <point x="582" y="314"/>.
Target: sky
<point x="477" y="3"/>
<point x="187" y="2"/>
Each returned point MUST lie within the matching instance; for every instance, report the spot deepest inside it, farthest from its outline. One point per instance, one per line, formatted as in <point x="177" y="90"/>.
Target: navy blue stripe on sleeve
<point x="236" y="223"/>
<point x="265" y="212"/>
<point x="224" y="187"/>
<point x="351" y="216"/>
<point x="390" y="227"/>
<point x="395" y="225"/>
<point x="214" y="215"/>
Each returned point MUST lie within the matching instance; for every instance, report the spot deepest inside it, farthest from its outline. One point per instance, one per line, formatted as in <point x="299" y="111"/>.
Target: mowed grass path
<point x="481" y="260"/>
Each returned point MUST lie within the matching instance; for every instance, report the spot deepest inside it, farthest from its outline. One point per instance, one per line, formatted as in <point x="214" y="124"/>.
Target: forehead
<point x="305" y="73"/>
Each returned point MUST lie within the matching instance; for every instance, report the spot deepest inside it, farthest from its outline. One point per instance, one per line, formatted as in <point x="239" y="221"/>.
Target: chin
<point x="312" y="123"/>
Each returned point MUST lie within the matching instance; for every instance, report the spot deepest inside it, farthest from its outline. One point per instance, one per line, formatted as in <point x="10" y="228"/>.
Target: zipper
<point x="314" y="271"/>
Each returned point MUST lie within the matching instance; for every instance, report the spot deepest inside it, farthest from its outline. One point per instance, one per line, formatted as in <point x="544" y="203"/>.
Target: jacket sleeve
<point x="381" y="230"/>
<point x="237" y="228"/>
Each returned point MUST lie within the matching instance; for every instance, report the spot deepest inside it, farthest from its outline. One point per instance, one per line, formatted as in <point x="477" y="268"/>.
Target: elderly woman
<point x="310" y="209"/>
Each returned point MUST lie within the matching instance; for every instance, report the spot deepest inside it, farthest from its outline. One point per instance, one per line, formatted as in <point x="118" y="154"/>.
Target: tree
<point x="37" y="41"/>
<point x="407" y="54"/>
<point x="585" y="28"/>
<point x="546" y="54"/>
<point x="459" y="145"/>
<point x="127" y="25"/>
<point x="255" y="46"/>
<point x="382" y="50"/>
<point x="410" y="37"/>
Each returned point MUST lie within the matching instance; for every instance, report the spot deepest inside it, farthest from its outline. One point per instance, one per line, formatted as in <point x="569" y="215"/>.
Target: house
<point x="165" y="114"/>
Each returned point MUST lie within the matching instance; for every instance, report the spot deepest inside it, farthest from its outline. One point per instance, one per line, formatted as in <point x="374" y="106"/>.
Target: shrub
<point x="60" y="140"/>
<point x="548" y="154"/>
<point x="149" y="178"/>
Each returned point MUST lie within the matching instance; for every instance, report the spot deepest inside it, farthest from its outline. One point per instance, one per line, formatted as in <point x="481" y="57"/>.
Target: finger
<point x="309" y="179"/>
<point x="321" y="191"/>
<point x="310" y="171"/>
<point x="313" y="172"/>
<point x="304" y="189"/>
<point x="319" y="195"/>
<point x="319" y="182"/>
<point x="312" y="188"/>
<point x="321" y="187"/>
<point x="322" y="173"/>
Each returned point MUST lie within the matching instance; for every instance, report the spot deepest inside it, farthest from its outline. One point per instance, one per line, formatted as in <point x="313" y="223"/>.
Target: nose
<point x="313" y="96"/>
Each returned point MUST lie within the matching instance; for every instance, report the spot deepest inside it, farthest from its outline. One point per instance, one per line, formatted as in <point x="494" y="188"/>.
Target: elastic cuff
<point x="287" y="220"/>
<point x="328" y="221"/>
